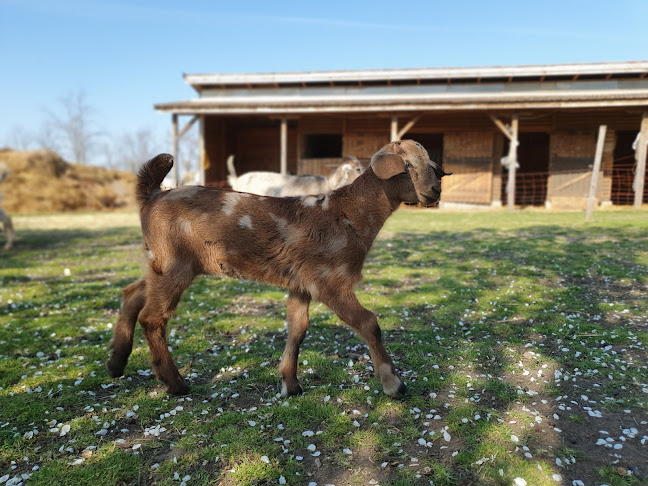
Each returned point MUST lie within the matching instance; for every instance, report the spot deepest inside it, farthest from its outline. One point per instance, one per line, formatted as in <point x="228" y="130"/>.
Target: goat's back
<point x="279" y="185"/>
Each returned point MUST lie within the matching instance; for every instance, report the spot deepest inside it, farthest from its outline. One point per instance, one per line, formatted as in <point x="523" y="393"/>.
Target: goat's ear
<point x="387" y="165"/>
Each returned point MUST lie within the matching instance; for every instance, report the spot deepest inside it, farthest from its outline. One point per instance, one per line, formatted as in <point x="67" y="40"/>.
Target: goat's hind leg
<point x="365" y="323"/>
<point x="298" y="322"/>
<point x="134" y="298"/>
<point x="162" y="296"/>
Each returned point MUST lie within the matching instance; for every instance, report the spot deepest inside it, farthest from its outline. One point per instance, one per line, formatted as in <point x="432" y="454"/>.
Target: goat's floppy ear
<point x="387" y="164"/>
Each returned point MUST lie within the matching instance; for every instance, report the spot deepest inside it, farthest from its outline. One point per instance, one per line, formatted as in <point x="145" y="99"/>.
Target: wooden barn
<point x="536" y="126"/>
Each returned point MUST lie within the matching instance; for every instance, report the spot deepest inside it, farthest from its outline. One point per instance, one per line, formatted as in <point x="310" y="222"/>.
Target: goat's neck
<point x="366" y="205"/>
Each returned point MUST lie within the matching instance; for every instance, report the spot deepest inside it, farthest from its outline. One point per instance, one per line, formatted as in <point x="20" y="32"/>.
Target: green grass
<point x="513" y="332"/>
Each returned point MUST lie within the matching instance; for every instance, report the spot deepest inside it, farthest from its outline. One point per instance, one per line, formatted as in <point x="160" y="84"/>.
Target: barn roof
<point x="495" y="87"/>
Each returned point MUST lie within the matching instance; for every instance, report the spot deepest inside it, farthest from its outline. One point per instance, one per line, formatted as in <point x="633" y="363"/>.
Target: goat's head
<point x="412" y="177"/>
<point x="346" y="173"/>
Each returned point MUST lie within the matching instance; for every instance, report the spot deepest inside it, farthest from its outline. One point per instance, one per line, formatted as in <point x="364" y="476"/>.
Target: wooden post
<point x="284" y="146"/>
<point x="174" y="148"/>
<point x="394" y="129"/>
<point x="640" y="156"/>
<point x="202" y="155"/>
<point x="407" y="126"/>
<point x="512" y="165"/>
<point x="595" y="172"/>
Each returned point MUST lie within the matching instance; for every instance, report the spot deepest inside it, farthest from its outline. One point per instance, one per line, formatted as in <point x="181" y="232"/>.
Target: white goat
<point x="7" y="224"/>
<point x="284" y="185"/>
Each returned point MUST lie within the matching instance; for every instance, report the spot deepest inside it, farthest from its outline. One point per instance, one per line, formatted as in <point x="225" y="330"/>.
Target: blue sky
<point x="127" y="55"/>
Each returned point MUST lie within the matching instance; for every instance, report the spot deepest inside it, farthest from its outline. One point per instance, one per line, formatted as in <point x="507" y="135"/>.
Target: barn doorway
<point x="433" y="143"/>
<point x="623" y="170"/>
<point x="533" y="174"/>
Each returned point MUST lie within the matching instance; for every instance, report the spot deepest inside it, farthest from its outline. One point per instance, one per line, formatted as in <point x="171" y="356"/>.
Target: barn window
<point x="318" y="146"/>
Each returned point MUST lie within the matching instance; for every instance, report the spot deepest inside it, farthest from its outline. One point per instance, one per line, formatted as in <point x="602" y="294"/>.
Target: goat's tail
<point x="151" y="176"/>
<point x="230" y="166"/>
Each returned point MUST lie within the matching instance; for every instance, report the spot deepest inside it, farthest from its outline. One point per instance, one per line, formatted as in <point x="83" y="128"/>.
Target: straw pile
<point x="41" y="181"/>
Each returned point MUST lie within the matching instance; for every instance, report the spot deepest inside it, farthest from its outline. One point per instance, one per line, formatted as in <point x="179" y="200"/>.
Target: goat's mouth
<point x="429" y="199"/>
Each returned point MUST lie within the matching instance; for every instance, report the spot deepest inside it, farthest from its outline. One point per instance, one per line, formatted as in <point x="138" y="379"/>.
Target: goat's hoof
<point x="398" y="392"/>
<point x="179" y="389"/>
<point x="115" y="370"/>
<point x="292" y="390"/>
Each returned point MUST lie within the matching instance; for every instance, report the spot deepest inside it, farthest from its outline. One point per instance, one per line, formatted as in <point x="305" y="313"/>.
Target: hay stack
<point x="41" y="181"/>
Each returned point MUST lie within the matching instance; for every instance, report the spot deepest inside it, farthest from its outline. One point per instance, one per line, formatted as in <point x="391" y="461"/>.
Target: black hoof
<point x="115" y="370"/>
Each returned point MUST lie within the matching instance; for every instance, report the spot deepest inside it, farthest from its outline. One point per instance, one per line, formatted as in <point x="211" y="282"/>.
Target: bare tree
<point x="46" y="138"/>
<point x="189" y="156"/>
<point x="136" y="148"/>
<point x="76" y="125"/>
<point x="19" y="139"/>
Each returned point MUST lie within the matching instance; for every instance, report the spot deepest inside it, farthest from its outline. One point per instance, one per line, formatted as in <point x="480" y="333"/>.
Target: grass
<point x="522" y="337"/>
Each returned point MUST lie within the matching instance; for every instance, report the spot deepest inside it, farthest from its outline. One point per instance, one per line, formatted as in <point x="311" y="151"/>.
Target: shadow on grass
<point x="473" y="305"/>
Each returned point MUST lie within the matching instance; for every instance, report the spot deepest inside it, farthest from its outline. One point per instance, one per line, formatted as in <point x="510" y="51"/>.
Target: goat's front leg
<point x="298" y="322"/>
<point x="134" y="298"/>
<point x="365" y="323"/>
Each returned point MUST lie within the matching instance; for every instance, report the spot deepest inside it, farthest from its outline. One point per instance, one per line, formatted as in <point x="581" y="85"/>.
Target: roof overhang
<point x="408" y="102"/>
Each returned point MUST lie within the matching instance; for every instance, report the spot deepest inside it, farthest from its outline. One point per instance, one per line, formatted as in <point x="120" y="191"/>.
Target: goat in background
<point x="313" y="245"/>
<point x="7" y="224"/>
<point x="283" y="185"/>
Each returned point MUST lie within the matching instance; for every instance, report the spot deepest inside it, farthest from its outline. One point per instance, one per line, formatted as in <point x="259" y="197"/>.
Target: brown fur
<point x="313" y="245"/>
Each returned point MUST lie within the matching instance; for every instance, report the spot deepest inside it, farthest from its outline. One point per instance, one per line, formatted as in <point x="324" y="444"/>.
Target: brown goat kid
<point x="313" y="245"/>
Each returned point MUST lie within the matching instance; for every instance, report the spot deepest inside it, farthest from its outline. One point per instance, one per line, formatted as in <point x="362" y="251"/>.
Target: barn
<point x="533" y="129"/>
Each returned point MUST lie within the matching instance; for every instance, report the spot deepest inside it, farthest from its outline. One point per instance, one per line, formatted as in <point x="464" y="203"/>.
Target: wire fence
<point x="531" y="188"/>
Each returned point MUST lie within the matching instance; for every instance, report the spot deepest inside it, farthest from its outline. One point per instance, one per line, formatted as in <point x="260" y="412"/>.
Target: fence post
<point x="595" y="172"/>
<point x="640" y="155"/>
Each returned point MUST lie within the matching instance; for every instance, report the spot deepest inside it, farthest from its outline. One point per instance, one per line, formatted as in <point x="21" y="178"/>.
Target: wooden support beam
<point x="394" y="129"/>
<point x="174" y="148"/>
<point x="202" y="153"/>
<point x="511" y="161"/>
<point x="188" y="126"/>
<point x="596" y="169"/>
<point x="503" y="128"/>
<point x="408" y="126"/>
<point x="640" y="156"/>
<point x="284" y="146"/>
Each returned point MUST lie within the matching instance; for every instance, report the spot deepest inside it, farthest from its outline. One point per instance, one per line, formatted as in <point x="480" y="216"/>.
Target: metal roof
<point x="623" y="84"/>
<point x="456" y="73"/>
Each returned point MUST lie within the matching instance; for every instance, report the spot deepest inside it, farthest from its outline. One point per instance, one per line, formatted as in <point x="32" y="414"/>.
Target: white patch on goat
<point x="284" y="389"/>
<point x="230" y="200"/>
<point x="325" y="204"/>
<point x="312" y="289"/>
<point x="149" y="254"/>
<point x="323" y="270"/>
<point x="391" y="383"/>
<point x="309" y="201"/>
<point x="245" y="222"/>
<point x="290" y="233"/>
<point x="341" y="271"/>
<point x="335" y="245"/>
<point x="185" y="225"/>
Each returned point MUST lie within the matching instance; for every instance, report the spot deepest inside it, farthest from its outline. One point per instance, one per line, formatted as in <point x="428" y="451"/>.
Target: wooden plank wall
<point x="572" y="156"/>
<point x="469" y="156"/>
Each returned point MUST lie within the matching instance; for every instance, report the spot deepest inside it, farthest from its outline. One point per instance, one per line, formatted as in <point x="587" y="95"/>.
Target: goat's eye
<point x="407" y="164"/>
